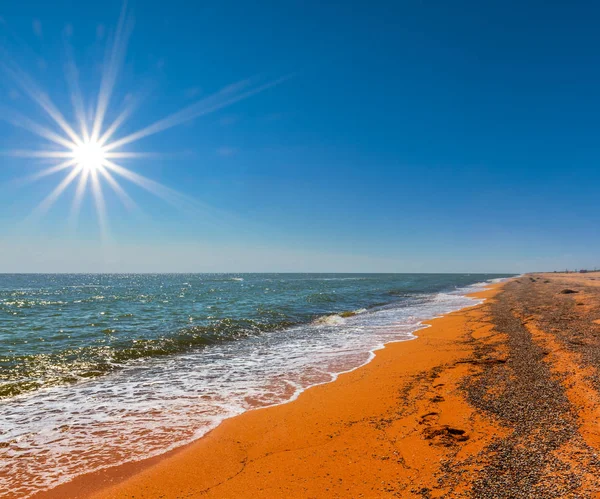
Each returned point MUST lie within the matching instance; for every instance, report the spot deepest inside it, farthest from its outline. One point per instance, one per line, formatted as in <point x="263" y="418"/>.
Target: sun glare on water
<point x="89" y="149"/>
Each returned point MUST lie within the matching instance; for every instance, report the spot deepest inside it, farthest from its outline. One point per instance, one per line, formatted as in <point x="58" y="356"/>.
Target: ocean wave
<point x="25" y="373"/>
<point x="339" y="318"/>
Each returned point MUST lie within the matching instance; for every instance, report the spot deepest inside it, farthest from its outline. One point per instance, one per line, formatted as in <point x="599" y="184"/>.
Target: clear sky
<point x="403" y="137"/>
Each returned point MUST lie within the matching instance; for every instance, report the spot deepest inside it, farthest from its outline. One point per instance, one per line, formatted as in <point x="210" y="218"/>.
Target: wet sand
<point x="497" y="400"/>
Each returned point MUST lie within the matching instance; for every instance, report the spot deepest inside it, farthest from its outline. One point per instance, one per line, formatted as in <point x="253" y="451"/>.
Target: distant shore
<point x="494" y="400"/>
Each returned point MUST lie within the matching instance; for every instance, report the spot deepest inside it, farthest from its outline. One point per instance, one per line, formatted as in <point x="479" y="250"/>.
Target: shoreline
<point x="95" y="484"/>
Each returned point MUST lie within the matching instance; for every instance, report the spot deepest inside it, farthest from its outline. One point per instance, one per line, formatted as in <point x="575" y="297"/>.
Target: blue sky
<point x="409" y="136"/>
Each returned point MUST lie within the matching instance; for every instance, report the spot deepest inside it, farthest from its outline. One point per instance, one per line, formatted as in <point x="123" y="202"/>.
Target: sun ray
<point x="100" y="204"/>
<point x="72" y="77"/>
<point x="24" y="153"/>
<point x="133" y="155"/>
<point x="205" y="106"/>
<point x="129" y="107"/>
<point x="17" y="119"/>
<point x="51" y="198"/>
<point x="114" y="59"/>
<point x="171" y="196"/>
<point x="42" y="99"/>
<point x="126" y="113"/>
<point x="125" y="198"/>
<point x="78" y="198"/>
<point x="29" y="179"/>
<point x="46" y="172"/>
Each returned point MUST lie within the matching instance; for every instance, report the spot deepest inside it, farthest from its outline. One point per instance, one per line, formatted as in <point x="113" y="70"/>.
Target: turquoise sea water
<point x="101" y="369"/>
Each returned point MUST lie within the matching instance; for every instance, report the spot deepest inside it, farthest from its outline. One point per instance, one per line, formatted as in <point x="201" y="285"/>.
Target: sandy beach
<point x="496" y="400"/>
<point x="267" y="250"/>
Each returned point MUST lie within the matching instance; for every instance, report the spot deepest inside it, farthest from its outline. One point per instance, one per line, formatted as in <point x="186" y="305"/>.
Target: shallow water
<point x="101" y="369"/>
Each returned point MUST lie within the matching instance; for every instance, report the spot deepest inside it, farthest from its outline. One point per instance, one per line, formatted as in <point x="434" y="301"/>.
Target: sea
<point x="101" y="369"/>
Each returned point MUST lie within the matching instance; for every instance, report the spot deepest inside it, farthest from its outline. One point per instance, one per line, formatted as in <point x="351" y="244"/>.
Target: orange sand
<point x="379" y="430"/>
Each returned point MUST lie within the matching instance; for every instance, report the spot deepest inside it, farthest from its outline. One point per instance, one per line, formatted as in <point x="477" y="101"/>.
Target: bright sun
<point x="89" y="156"/>
<point x="90" y="149"/>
